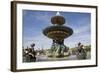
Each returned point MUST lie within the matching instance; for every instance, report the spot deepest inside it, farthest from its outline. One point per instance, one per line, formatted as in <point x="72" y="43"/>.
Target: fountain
<point x="58" y="32"/>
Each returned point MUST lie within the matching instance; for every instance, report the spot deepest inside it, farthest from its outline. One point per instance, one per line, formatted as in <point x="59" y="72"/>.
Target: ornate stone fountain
<point x="58" y="32"/>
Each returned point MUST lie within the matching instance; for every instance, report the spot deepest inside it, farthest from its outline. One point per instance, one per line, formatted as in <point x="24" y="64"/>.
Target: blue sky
<point x="35" y="21"/>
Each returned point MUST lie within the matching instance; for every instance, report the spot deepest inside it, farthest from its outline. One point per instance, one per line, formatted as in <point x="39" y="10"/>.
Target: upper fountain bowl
<point x="58" y="20"/>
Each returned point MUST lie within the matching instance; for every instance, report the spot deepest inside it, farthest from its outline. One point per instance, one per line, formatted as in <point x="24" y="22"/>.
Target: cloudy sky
<point x="35" y="21"/>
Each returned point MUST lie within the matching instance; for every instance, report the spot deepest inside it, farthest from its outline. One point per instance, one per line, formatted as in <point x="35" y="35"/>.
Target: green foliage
<point x="88" y="48"/>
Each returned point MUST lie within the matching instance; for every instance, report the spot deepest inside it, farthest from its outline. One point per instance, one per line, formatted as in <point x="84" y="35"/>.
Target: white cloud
<point x="40" y="42"/>
<point x="73" y="40"/>
<point x="81" y="29"/>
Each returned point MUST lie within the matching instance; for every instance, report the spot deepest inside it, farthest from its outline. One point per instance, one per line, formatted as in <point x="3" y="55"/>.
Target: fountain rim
<point x="58" y="28"/>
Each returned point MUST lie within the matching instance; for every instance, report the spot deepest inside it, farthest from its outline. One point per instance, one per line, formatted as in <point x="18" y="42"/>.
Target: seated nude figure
<point x="81" y="53"/>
